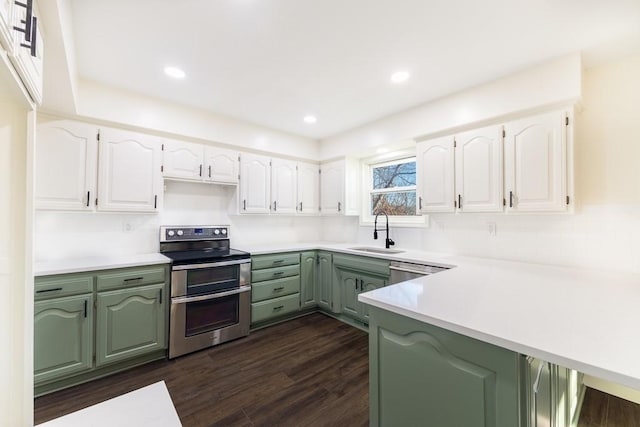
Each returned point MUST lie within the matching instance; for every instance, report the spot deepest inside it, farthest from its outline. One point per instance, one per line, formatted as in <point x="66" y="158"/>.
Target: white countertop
<point x="147" y="406"/>
<point x="583" y="319"/>
<point x="78" y="265"/>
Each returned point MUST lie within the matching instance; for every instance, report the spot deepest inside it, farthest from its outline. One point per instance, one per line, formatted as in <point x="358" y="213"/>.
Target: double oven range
<point x="210" y="287"/>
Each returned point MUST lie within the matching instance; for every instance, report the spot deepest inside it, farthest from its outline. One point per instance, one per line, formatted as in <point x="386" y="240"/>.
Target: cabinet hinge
<point x="455" y="143"/>
<point x="504" y="133"/>
<point x="161" y="168"/>
<point x="317" y="260"/>
<point x="98" y="136"/>
<point x="504" y="202"/>
<point x="319" y="171"/>
<point x="566" y="121"/>
<point x="162" y="147"/>
<point x="567" y="199"/>
<point x="270" y="164"/>
<point x="238" y="157"/>
<point x="93" y="358"/>
<point x="96" y="201"/>
<point x="238" y="177"/>
<point x="455" y="204"/>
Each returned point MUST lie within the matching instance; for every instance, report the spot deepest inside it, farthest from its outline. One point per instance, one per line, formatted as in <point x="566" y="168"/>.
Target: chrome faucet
<point x="387" y="242"/>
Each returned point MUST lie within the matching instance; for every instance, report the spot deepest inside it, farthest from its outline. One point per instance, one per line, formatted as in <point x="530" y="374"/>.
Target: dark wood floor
<point x="602" y="410"/>
<point x="309" y="371"/>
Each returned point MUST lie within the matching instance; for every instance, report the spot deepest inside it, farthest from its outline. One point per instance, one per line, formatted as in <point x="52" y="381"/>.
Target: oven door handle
<point x="183" y="300"/>
<point x="209" y="265"/>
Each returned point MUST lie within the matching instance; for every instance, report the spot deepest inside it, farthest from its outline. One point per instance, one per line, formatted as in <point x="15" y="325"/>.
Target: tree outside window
<point x="394" y="188"/>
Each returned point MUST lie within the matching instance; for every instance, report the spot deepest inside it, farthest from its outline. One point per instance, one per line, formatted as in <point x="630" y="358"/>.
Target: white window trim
<point x="366" y="219"/>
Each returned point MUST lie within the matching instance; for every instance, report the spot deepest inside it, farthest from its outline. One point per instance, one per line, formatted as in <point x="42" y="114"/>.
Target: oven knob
<point x="170" y="233"/>
<point x="216" y="231"/>
<point x="180" y="232"/>
<point x="224" y="231"/>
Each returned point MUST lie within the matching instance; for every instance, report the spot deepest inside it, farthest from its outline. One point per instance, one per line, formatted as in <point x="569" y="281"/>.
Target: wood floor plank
<point x="594" y="409"/>
<point x="622" y="413"/>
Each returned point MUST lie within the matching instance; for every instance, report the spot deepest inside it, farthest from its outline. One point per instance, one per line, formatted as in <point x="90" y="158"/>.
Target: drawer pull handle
<point x="278" y="261"/>
<point x="280" y="307"/>
<point x="41" y="291"/>
<point x="133" y="279"/>
<point x="278" y="289"/>
<point x="278" y="273"/>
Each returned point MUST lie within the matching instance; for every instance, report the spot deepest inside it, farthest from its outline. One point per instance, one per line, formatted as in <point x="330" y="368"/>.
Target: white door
<point x="129" y="178"/>
<point x="478" y="158"/>
<point x="308" y="188"/>
<point x="6" y="26"/>
<point x="535" y="163"/>
<point x="30" y="67"/>
<point x="221" y="165"/>
<point x="66" y="163"/>
<point x="435" y="180"/>
<point x="255" y="184"/>
<point x="182" y="160"/>
<point x="284" y="189"/>
<point x="332" y="188"/>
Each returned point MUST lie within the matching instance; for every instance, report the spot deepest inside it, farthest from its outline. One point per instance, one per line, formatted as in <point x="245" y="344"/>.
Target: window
<point x="392" y="188"/>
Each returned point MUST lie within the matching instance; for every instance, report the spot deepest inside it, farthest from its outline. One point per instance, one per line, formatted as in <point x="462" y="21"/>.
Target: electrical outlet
<point x="492" y="228"/>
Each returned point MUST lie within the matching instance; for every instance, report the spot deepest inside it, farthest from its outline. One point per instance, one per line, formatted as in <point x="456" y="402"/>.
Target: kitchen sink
<point x="377" y="250"/>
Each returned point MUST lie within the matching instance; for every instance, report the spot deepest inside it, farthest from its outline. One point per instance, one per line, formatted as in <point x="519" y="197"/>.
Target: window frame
<point x="366" y="218"/>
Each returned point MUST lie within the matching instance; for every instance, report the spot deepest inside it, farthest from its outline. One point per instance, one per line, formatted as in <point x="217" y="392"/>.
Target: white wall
<point x="65" y="234"/>
<point x="121" y="107"/>
<point x="604" y="232"/>
<point x="551" y="83"/>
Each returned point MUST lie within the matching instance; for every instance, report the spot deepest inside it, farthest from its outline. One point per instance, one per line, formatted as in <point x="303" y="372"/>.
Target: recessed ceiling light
<point x="174" y="72"/>
<point x="310" y="119"/>
<point x="400" y="77"/>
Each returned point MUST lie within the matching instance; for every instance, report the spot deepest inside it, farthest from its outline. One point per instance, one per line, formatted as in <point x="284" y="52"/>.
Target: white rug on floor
<point x="147" y="406"/>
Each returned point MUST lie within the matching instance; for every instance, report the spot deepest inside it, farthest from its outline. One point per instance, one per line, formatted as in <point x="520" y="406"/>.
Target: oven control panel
<point x="206" y="232"/>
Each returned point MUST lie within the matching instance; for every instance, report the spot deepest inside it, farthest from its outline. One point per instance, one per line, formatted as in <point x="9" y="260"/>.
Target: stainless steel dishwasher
<point x="402" y="271"/>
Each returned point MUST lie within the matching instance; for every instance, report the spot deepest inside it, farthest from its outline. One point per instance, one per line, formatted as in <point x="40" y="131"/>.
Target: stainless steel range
<point x="210" y="287"/>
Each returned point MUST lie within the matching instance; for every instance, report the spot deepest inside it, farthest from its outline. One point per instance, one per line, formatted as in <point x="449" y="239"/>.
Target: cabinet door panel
<point x="369" y="283"/>
<point x="348" y="284"/>
<point x="129" y="172"/>
<point x="65" y="165"/>
<point x="308" y="188"/>
<point x="308" y="294"/>
<point x="284" y="189"/>
<point x="221" y="165"/>
<point x="182" y="160"/>
<point x="255" y="184"/>
<point x="479" y="169"/>
<point x="63" y="331"/>
<point x="332" y="188"/>
<point x="130" y="323"/>
<point x="324" y="279"/>
<point x="435" y="169"/>
<point x="535" y="163"/>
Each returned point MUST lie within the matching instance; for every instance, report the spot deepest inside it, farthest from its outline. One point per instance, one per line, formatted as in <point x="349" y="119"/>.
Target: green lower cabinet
<point x="130" y="323"/>
<point x="273" y="308"/>
<point x="308" y="292"/>
<point x="324" y="281"/>
<point x="63" y="337"/>
<point x="353" y="283"/>
<point x="422" y="375"/>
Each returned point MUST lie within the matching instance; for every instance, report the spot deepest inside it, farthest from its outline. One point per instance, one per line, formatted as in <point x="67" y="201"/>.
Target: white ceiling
<point x="272" y="62"/>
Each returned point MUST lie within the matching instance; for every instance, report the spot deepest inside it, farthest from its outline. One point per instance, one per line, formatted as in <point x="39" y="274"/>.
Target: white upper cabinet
<point x="283" y="186"/>
<point x="187" y="161"/>
<point x="478" y="166"/>
<point x="28" y="61"/>
<point x="435" y="169"/>
<point x="332" y="185"/>
<point x="129" y="172"/>
<point x="65" y="165"/>
<point x="6" y="24"/>
<point x="255" y="184"/>
<point x="536" y="163"/>
<point x="220" y="165"/>
<point x="308" y="188"/>
<point x="182" y="160"/>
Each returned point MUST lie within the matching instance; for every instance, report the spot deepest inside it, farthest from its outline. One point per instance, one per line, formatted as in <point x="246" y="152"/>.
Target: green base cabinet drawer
<point x="275" y="273"/>
<point x="129" y="277"/>
<point x="265" y="310"/>
<point x="278" y="260"/>
<point x="360" y="263"/>
<point x="275" y="288"/>
<point x="62" y="285"/>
